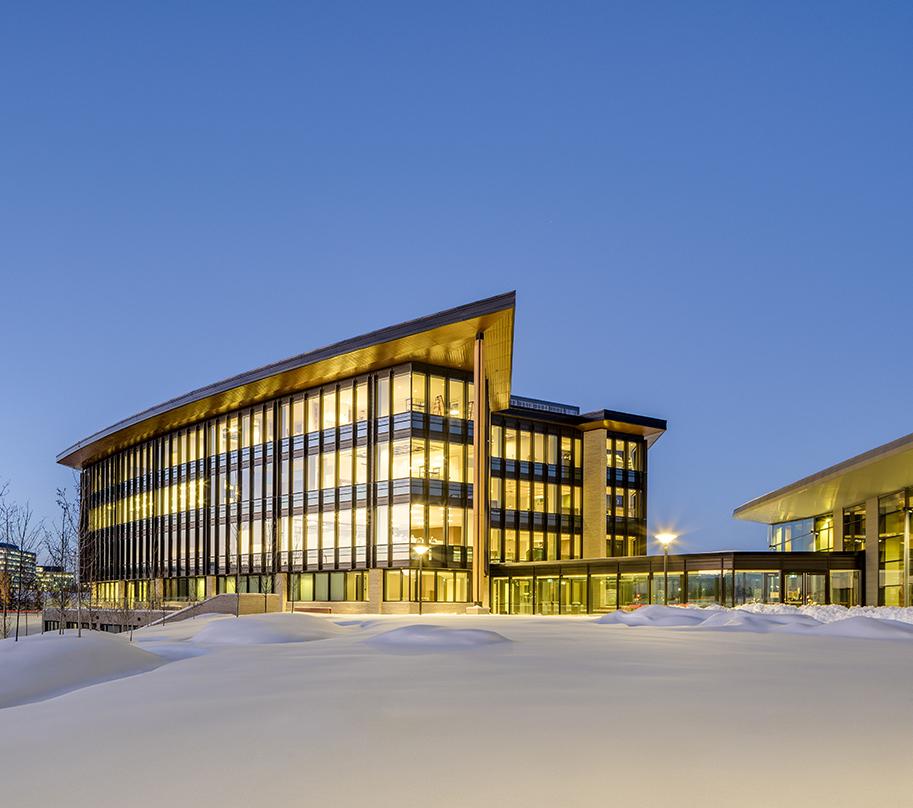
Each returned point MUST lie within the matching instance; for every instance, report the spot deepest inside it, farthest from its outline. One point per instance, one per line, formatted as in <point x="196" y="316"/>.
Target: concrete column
<point x="594" y="496"/>
<point x="871" y="551"/>
<point x="210" y="586"/>
<point x="481" y="465"/>
<point x="280" y="588"/>
<point x="375" y="591"/>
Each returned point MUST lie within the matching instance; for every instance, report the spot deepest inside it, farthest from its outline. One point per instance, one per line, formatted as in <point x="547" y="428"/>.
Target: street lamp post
<point x="421" y="550"/>
<point x="665" y="539"/>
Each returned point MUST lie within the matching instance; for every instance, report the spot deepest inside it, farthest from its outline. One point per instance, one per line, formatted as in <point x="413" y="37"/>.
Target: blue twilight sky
<point x="705" y="209"/>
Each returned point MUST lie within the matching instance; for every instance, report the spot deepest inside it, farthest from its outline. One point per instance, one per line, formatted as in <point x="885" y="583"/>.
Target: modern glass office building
<point x="860" y="507"/>
<point x="317" y="477"/>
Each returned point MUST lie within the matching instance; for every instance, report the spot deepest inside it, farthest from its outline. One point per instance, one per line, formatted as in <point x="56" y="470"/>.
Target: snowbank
<point x="861" y="622"/>
<point x="654" y="616"/>
<point x="616" y="692"/>
<point x="267" y="629"/>
<point x="47" y="665"/>
<point x="435" y="638"/>
<point x="828" y="614"/>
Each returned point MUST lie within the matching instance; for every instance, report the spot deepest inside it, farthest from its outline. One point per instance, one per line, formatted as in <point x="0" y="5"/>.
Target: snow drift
<point x="436" y="638"/>
<point x="267" y="629"/>
<point x="866" y="623"/>
<point x="654" y="616"/>
<point x="47" y="665"/>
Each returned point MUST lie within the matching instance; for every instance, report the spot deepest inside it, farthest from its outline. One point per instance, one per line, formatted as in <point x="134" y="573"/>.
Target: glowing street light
<point x="421" y="550"/>
<point x="665" y="539"/>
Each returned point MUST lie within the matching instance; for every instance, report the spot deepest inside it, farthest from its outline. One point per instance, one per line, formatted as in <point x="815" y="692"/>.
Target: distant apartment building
<point x="15" y="565"/>
<point x="53" y="579"/>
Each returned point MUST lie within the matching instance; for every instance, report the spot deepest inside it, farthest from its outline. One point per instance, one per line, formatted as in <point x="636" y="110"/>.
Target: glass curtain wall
<point x="891" y="526"/>
<point x="344" y="476"/>
<point x="815" y="534"/>
<point x="549" y="593"/>
<point x="854" y="528"/>
<point x="626" y="485"/>
<point x="535" y="491"/>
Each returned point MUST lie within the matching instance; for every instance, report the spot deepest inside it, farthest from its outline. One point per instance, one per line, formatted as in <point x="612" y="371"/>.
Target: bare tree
<point x="125" y="610"/>
<point x="6" y="597"/>
<point x="60" y="547"/>
<point x="27" y="534"/>
<point x="67" y="540"/>
<point x="266" y="584"/>
<point x="154" y="601"/>
<point x="6" y="578"/>
<point x="193" y="597"/>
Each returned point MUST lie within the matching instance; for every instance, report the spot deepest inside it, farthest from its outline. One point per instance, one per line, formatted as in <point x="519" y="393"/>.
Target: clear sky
<point x="705" y="209"/>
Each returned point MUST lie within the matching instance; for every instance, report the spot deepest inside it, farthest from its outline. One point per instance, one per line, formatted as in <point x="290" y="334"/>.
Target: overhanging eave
<point x="444" y="339"/>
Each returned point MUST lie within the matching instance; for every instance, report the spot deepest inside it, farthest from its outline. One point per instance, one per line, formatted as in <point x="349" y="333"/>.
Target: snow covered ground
<point x="748" y="707"/>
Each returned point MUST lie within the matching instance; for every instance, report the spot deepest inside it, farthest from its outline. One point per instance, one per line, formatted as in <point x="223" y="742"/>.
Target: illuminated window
<point x="382" y="529"/>
<point x="510" y="444"/>
<point x="495" y="494"/>
<point x="523" y="546"/>
<point x="233" y="433"/>
<point x="418" y="460"/>
<point x="298" y="416"/>
<point x="539" y="447"/>
<point x="400" y="458"/>
<point x="435" y="527"/>
<point x="539" y="497"/>
<point x="526" y="446"/>
<point x="510" y="545"/>
<point x="329" y="409"/>
<point x="455" y="391"/>
<point x="382" y="402"/>
<point x="361" y="465"/>
<point x="455" y="518"/>
<point x="436" y="460"/>
<point x="496" y="440"/>
<point x="345" y="466"/>
<point x="361" y="401"/>
<point x="551" y="497"/>
<point x="552" y="449"/>
<point x="494" y="540"/>
<point x="313" y="467"/>
<point x="346" y="404"/>
<point x="313" y="411"/>
<point x="566" y="451"/>
<point x="523" y="496"/>
<point x="328" y="470"/>
<point x="437" y="396"/>
<point x="400" y="529"/>
<point x="382" y="461"/>
<point x="402" y="394"/>
<point x="257" y="435"/>
<point x="456" y="456"/>
<point x="418" y="392"/>
<point x="417" y="522"/>
<point x="510" y="494"/>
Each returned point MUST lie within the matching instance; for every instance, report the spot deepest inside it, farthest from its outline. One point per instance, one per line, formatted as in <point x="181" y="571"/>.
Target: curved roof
<point x="445" y="338"/>
<point x="878" y="471"/>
